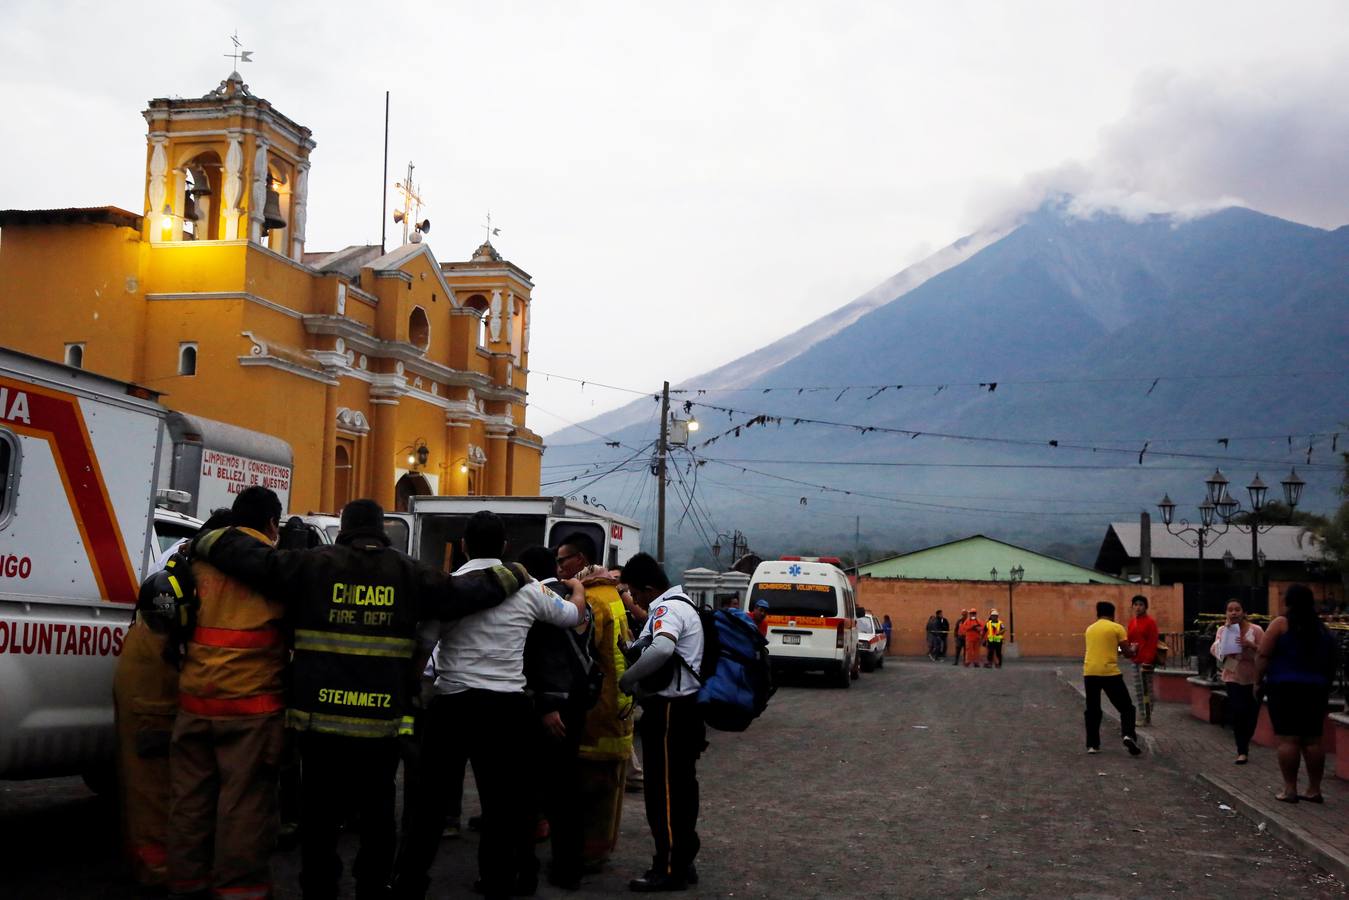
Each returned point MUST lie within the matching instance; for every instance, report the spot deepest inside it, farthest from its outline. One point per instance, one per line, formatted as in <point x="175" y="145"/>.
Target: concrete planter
<point x="1339" y="726"/>
<point x="1169" y="685"/>
<point x="1208" y="700"/>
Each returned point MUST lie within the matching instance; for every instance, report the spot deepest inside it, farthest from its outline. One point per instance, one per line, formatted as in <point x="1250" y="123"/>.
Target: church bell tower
<point x="226" y="167"/>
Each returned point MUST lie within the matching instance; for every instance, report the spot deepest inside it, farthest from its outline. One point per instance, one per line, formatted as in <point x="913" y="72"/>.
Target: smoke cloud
<point x="1278" y="143"/>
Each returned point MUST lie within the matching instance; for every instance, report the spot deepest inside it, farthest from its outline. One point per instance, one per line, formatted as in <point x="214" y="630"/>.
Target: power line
<point x="1130" y="467"/>
<point x="765" y="419"/>
<point x="901" y="500"/>
<point x="992" y="383"/>
<point x="608" y="438"/>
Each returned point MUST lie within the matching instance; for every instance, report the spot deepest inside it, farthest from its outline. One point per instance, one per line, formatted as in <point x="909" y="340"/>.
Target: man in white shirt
<point x="480" y="710"/>
<point x="673" y="735"/>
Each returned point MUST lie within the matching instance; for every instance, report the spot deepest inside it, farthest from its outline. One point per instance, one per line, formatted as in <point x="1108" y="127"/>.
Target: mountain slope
<point x="1136" y="340"/>
<point x="749" y="368"/>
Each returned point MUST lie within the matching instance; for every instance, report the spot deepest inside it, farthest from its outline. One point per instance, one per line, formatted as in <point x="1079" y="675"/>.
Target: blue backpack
<point x="736" y="676"/>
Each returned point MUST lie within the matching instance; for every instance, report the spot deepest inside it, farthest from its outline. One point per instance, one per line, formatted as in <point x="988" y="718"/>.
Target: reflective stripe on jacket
<point x="608" y="727"/>
<point x="237" y="653"/>
<point x="355" y="606"/>
<point x="993" y="631"/>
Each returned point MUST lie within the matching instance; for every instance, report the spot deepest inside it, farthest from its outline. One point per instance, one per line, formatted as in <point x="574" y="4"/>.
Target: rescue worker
<point x="227" y="737"/>
<point x="145" y="703"/>
<point x="355" y="606"/>
<point x="562" y="679"/>
<point x="606" y="747"/>
<point x="993" y="632"/>
<point x="673" y="733"/>
<point x="972" y="631"/>
<point x="481" y="710"/>
<point x="959" y="634"/>
<point x="760" y="616"/>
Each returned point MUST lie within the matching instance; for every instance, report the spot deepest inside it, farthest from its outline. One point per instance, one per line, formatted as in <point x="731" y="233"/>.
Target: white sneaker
<point x="1093" y="750"/>
<point x="1132" y="745"/>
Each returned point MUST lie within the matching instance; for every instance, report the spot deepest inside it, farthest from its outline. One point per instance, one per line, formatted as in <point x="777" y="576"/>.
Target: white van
<point x="812" y="619"/>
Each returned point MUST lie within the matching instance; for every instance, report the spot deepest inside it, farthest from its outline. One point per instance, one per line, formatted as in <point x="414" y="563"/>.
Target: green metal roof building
<point x="973" y="559"/>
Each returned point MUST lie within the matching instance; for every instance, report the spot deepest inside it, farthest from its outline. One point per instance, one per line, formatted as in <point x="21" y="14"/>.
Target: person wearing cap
<point x="355" y="607"/>
<point x="760" y="616"/>
<point x="993" y="631"/>
<point x="972" y="632"/>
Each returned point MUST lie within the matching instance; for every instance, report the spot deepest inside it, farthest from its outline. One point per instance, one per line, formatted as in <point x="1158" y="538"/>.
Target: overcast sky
<point x="688" y="181"/>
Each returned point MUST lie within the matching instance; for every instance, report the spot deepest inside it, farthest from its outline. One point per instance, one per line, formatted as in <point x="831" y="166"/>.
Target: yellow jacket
<point x="608" y="728"/>
<point x="993" y="631"/>
<point x="237" y="654"/>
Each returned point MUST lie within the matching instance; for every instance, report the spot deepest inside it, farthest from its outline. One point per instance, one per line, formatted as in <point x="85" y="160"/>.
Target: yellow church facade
<point x="388" y="374"/>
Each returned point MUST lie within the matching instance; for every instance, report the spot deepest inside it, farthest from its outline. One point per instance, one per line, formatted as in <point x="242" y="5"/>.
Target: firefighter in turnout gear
<point x="145" y="701"/>
<point x="355" y="607"/>
<point x="226" y="747"/>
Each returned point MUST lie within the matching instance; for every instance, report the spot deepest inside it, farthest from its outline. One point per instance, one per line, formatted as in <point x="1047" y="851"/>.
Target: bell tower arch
<point x="226" y="167"/>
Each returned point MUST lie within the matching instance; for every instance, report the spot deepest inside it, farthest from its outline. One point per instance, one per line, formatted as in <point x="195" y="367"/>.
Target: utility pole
<point x="660" y="471"/>
<point x="857" y="549"/>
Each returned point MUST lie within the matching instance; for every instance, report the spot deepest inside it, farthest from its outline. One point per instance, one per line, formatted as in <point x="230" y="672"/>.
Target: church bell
<point x="271" y="210"/>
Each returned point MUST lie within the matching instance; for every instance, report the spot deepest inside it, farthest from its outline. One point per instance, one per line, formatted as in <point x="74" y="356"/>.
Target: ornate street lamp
<point x="1204" y="534"/>
<point x="1220" y="506"/>
<point x="1015" y="575"/>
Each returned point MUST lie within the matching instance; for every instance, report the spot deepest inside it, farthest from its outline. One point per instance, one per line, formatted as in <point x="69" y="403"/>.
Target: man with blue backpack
<point x="691" y="668"/>
<point x="673" y="733"/>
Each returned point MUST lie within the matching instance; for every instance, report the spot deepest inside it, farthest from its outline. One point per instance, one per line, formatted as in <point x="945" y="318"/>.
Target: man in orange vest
<point x="227" y="738"/>
<point x="973" y="633"/>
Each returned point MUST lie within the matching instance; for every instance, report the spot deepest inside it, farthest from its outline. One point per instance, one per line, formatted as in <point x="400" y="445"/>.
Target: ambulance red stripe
<point x="57" y="419"/>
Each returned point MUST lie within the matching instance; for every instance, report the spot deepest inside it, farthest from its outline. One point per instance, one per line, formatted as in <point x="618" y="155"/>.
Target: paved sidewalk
<point x="1206" y="752"/>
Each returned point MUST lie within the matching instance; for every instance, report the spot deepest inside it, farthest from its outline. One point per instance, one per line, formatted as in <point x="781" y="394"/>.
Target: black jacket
<point x="354" y="607"/>
<point x="559" y="666"/>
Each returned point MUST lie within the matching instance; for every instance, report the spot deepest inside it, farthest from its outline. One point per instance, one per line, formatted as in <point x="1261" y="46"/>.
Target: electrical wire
<point x="764" y="419"/>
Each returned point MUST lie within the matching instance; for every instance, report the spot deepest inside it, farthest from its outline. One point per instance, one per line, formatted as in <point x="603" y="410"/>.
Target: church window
<point x="187" y="358"/>
<point x="419" y="328"/>
<point x="75" y="355"/>
<point x="479" y="302"/>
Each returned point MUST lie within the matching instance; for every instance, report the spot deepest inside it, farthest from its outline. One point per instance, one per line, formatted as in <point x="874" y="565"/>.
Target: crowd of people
<point x="1290" y="666"/>
<point x="357" y="659"/>
<point x="976" y="642"/>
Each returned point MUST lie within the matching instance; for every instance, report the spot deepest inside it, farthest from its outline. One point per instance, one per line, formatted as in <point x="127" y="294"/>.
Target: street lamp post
<point x="1014" y="576"/>
<point x="1228" y="507"/>
<point x="1204" y="534"/>
<point x="739" y="545"/>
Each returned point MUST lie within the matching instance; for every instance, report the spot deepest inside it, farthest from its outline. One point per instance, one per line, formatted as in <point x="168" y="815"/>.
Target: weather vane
<point x="239" y="55"/>
<point x="487" y="226"/>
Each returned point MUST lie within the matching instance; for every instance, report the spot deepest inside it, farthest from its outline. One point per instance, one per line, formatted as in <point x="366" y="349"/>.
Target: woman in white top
<point x="1235" y="647"/>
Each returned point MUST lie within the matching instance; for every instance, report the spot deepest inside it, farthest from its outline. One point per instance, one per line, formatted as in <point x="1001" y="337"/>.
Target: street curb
<point x="1291" y="834"/>
<point x="1146" y="739"/>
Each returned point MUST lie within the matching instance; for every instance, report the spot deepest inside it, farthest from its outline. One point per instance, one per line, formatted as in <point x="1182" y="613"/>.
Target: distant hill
<point x="1114" y="338"/>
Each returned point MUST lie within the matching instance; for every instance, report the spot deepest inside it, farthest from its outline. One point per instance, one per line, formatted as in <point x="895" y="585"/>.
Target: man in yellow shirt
<point x="1105" y="639"/>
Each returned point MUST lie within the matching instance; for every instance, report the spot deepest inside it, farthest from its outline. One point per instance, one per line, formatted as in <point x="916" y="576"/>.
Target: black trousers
<point x="558" y="793"/>
<point x="497" y="732"/>
<point x="341" y="775"/>
<point x="960" y="650"/>
<point x="1113" y="687"/>
<point x="995" y="652"/>
<point x="1243" y="709"/>
<point x="673" y="737"/>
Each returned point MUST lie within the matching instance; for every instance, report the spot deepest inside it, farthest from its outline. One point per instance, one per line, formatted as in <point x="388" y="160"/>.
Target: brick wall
<point x="1049" y="618"/>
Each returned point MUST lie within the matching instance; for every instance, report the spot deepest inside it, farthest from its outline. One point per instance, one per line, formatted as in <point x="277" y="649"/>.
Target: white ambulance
<point x="438" y="524"/>
<point x="83" y="459"/>
<point x="812" y="617"/>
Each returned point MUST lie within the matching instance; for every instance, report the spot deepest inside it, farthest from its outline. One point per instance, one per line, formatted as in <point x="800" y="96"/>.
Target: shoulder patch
<point x="660" y="611"/>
